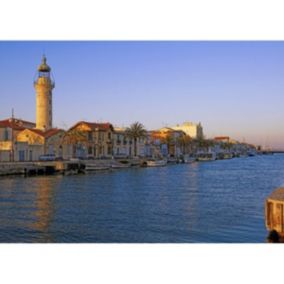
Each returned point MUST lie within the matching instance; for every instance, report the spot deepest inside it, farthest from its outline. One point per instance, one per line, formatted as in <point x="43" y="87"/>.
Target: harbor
<point x="83" y="166"/>
<point x="217" y="202"/>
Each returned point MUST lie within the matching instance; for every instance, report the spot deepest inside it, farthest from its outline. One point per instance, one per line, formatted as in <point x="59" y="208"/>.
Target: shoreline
<point x="71" y="167"/>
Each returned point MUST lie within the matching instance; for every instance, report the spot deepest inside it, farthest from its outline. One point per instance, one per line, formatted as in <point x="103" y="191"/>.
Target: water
<point x="221" y="201"/>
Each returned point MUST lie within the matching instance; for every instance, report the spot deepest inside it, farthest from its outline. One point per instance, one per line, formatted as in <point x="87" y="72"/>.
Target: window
<point x="90" y="136"/>
<point x="109" y="150"/>
<point x="6" y="134"/>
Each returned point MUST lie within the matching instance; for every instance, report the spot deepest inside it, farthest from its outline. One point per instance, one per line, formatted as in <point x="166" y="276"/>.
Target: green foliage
<point x="136" y="131"/>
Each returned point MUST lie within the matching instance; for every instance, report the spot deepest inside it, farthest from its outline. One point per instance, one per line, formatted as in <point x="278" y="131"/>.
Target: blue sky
<point x="232" y="88"/>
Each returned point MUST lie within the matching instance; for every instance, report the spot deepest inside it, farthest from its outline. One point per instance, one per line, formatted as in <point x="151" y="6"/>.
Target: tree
<point x="73" y="137"/>
<point x="205" y="143"/>
<point x="226" y="146"/>
<point x="185" y="142"/>
<point x="135" y="132"/>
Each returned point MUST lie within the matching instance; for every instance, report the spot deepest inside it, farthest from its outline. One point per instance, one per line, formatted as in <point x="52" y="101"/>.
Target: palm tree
<point x="185" y="142"/>
<point x="73" y="137"/>
<point x="135" y="132"/>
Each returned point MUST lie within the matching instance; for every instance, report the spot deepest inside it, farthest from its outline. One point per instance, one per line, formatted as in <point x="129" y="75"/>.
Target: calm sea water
<point x="221" y="201"/>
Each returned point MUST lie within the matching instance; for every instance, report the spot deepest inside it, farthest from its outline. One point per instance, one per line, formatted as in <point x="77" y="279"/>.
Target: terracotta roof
<point x="11" y="124"/>
<point x="277" y="194"/>
<point x="95" y="126"/>
<point x="15" y="123"/>
<point x="222" y="138"/>
<point x="47" y="133"/>
<point x="51" y="132"/>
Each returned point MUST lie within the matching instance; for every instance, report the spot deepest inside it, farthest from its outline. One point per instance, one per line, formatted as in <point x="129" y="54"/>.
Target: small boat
<point x="156" y="163"/>
<point x="202" y="157"/>
<point x="172" y="160"/>
<point x="228" y="156"/>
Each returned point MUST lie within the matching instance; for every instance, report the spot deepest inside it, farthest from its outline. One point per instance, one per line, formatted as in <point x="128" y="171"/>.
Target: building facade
<point x="166" y="142"/>
<point x="123" y="146"/>
<point x="194" y="130"/>
<point x="33" y="143"/>
<point x="88" y="140"/>
<point x="9" y="129"/>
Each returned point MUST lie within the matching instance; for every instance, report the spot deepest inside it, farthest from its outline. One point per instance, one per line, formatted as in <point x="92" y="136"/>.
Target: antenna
<point x="12" y="113"/>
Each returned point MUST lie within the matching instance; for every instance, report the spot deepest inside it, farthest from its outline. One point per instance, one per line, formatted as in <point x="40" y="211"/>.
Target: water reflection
<point x="27" y="208"/>
<point x="44" y="207"/>
<point x="220" y="201"/>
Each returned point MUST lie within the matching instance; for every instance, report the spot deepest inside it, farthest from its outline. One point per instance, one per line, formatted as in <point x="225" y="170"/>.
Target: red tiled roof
<point x="222" y="138"/>
<point x="51" y="132"/>
<point x="47" y="133"/>
<point x="15" y="123"/>
<point x="11" y="124"/>
<point x="95" y="126"/>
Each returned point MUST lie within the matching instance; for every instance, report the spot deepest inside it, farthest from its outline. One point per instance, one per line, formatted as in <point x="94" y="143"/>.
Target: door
<point x="21" y="155"/>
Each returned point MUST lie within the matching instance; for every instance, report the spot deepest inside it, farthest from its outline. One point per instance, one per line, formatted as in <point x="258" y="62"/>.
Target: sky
<point x="234" y="88"/>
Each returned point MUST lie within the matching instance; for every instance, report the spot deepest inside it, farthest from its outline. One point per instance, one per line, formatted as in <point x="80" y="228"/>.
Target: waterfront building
<point x="9" y="129"/>
<point x="44" y="86"/>
<point x="123" y="146"/>
<point x="194" y="130"/>
<point x="224" y="145"/>
<point x="32" y="143"/>
<point x="89" y="140"/>
<point x="166" y="142"/>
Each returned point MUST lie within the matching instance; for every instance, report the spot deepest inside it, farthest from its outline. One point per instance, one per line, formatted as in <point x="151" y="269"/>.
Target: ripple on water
<point x="220" y="201"/>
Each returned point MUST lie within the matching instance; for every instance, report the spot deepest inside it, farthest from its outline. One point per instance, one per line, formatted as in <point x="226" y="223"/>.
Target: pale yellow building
<point x="38" y="143"/>
<point x="9" y="129"/>
<point x="194" y="130"/>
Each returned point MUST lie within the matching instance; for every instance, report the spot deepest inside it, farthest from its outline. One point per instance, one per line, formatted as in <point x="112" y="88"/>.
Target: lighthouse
<point x="44" y="86"/>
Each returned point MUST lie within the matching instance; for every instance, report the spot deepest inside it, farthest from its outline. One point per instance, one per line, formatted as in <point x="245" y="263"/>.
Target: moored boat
<point x="202" y="157"/>
<point x="156" y="163"/>
<point x="172" y="160"/>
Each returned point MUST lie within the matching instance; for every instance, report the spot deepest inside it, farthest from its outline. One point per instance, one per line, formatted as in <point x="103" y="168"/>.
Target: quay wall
<point x="18" y="168"/>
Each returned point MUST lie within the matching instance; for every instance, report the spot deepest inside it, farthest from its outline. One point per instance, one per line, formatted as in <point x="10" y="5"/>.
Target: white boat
<point x="202" y="157"/>
<point x="156" y="163"/>
<point x="172" y="160"/>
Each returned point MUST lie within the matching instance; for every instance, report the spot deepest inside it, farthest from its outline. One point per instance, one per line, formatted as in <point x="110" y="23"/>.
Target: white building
<point x="124" y="147"/>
